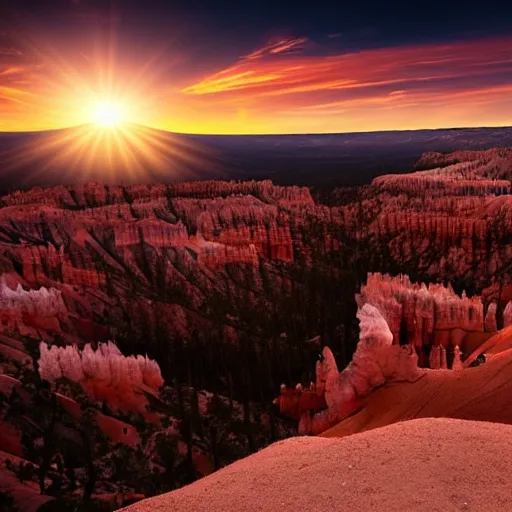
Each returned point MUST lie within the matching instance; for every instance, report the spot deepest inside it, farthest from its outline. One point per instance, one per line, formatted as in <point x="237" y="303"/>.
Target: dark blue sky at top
<point x="246" y="24"/>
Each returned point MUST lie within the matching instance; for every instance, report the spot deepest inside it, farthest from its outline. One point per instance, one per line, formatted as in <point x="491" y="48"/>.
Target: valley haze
<point x="311" y="160"/>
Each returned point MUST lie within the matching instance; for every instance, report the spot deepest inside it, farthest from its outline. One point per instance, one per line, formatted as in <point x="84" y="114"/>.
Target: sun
<point x="108" y="114"/>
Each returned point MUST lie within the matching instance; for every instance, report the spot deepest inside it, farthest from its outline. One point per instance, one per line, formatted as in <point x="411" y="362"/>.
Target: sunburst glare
<point x="106" y="106"/>
<point x="108" y="113"/>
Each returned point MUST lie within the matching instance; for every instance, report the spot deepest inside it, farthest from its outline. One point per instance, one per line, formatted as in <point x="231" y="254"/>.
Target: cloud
<point x="464" y="83"/>
<point x="281" y="46"/>
<point x="11" y="51"/>
<point x="293" y="74"/>
<point x="400" y="99"/>
<point x="16" y="79"/>
<point x="12" y="70"/>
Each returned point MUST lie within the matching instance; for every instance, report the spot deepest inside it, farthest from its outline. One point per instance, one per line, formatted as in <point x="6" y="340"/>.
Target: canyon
<point x="169" y="304"/>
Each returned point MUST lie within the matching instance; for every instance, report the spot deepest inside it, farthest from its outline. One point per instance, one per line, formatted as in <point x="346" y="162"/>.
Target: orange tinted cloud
<point x="12" y="70"/>
<point x="279" y="88"/>
<point x="362" y="69"/>
<point x="425" y="86"/>
<point x="240" y="76"/>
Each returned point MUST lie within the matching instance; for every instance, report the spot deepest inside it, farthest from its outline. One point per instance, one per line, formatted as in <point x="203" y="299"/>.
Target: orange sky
<point x="278" y="88"/>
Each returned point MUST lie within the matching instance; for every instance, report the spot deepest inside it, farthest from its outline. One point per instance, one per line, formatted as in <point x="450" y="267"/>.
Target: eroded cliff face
<point x="118" y="256"/>
<point x="448" y="220"/>
<point x="28" y="311"/>
<point x="500" y="158"/>
<point x="433" y="318"/>
<point x="233" y="277"/>
<point x="105" y="374"/>
<point x="451" y="223"/>
<point x="184" y="254"/>
<point x="398" y="320"/>
<point x="376" y="361"/>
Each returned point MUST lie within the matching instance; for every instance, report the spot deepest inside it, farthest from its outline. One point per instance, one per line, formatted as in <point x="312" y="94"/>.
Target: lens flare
<point x="108" y="114"/>
<point x="105" y="102"/>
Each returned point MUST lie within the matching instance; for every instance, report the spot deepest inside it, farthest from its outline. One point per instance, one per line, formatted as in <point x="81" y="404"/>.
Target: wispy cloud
<point x="11" y="51"/>
<point x="282" y="46"/>
<point x="291" y="74"/>
<point x="399" y="99"/>
<point x="11" y="70"/>
<point x="463" y="83"/>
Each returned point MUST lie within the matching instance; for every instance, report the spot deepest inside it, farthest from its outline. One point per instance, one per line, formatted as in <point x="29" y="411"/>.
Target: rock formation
<point x="376" y="361"/>
<point x="104" y="373"/>
<point x="490" y="318"/>
<point x="385" y="306"/>
<point x="457" y="363"/>
<point x="42" y="302"/>
<point x="25" y="312"/>
<point x="157" y="233"/>
<point x="507" y="315"/>
<point x="432" y="316"/>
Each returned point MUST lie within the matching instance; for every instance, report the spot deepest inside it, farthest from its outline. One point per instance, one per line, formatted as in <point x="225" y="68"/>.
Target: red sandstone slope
<point x="429" y="464"/>
<point x="383" y="384"/>
<point x="493" y="347"/>
<point x="25" y="495"/>
<point x="482" y="393"/>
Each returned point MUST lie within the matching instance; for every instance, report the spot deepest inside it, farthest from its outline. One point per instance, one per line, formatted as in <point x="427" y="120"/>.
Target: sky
<point x="256" y="67"/>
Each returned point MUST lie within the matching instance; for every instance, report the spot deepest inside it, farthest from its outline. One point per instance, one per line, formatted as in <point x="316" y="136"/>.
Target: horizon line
<point x="42" y="131"/>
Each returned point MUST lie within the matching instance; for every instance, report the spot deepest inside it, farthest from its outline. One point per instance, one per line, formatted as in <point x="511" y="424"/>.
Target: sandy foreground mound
<point x="426" y="464"/>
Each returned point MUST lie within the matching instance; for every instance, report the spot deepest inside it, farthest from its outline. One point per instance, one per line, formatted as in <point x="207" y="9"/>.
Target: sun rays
<point x="103" y="78"/>
<point x="107" y="98"/>
<point x="123" y="153"/>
